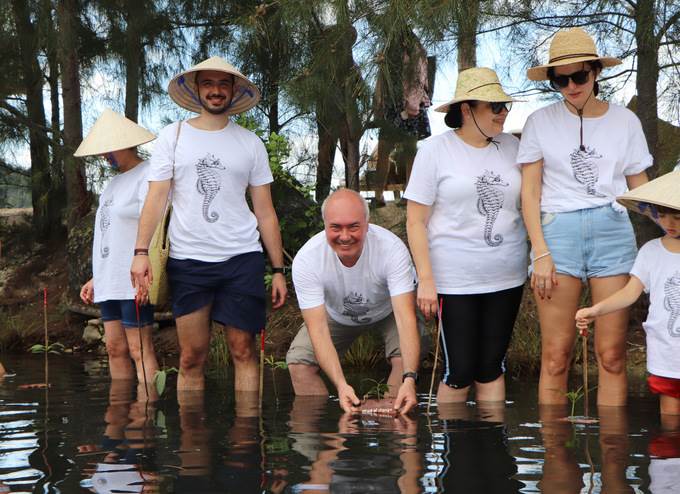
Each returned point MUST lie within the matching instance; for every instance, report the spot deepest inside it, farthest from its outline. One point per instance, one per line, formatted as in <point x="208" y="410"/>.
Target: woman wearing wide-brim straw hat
<point x="577" y="156"/>
<point x="467" y="238"/>
<point x="116" y="138"/>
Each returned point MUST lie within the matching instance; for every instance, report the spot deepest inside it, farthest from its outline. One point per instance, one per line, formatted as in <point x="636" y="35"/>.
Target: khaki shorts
<point x="302" y="352"/>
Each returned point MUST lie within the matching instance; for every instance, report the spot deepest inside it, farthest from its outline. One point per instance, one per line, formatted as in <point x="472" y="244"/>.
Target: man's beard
<point x="215" y="111"/>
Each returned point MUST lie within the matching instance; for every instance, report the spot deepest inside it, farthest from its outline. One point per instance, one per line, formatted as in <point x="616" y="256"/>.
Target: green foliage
<point x="365" y="352"/>
<point x="275" y="364"/>
<point x="160" y="378"/>
<point x="376" y="389"/>
<point x="55" y="348"/>
<point x="299" y="216"/>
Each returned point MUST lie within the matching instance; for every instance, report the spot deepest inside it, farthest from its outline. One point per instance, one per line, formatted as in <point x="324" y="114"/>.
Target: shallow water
<point x="84" y="435"/>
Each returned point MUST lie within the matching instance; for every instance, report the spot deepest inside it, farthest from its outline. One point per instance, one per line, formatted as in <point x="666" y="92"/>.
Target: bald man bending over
<point x="351" y="278"/>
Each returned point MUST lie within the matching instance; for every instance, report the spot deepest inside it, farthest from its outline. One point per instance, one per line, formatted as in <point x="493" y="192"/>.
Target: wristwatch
<point x="283" y="270"/>
<point x="406" y="375"/>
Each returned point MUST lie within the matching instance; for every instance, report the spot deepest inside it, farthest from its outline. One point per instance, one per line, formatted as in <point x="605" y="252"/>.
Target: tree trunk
<point x="350" y="146"/>
<point x="78" y="201"/>
<point x="326" y="157"/>
<point x="647" y="74"/>
<point x="134" y="57"/>
<point x="44" y="225"/>
<point x="468" y="19"/>
<point x="58" y="190"/>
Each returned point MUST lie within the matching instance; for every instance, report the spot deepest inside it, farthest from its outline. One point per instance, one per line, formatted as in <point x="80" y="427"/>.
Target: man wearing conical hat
<point x="216" y="266"/>
<point x="128" y="332"/>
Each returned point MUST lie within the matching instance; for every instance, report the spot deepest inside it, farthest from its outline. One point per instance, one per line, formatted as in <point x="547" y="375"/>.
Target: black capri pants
<point x="476" y="332"/>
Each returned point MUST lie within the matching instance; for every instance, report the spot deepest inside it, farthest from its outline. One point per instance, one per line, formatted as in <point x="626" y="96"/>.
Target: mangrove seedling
<point x="55" y="348"/>
<point x="160" y="378"/>
<point x="378" y="390"/>
<point x="273" y="365"/>
<point x="574" y="397"/>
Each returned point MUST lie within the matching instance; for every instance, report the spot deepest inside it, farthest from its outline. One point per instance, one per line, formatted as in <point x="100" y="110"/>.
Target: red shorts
<point x="664" y="386"/>
<point x="666" y="445"/>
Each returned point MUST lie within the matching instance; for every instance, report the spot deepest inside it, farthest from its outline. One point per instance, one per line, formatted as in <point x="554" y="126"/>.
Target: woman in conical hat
<point x="116" y="138"/>
<point x="466" y="236"/>
<point x="577" y="155"/>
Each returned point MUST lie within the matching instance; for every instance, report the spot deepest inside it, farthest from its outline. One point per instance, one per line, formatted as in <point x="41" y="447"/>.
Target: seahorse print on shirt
<point x="671" y="302"/>
<point x="489" y="203"/>
<point x="208" y="184"/>
<point x="585" y="169"/>
<point x="355" y="308"/>
<point x="104" y="224"/>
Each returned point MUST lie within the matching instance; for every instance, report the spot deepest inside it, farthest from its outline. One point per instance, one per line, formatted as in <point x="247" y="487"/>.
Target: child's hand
<point x="583" y="318"/>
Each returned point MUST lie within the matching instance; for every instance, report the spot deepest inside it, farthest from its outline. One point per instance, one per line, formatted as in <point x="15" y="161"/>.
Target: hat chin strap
<point x="579" y="111"/>
<point x="488" y="139"/>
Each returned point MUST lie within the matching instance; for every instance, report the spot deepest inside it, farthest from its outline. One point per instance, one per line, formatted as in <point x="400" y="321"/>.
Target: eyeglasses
<point x="499" y="106"/>
<point x="561" y="81"/>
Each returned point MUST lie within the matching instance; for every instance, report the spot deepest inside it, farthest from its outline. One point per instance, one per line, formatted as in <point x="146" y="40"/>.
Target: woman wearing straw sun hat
<point x="577" y="155"/>
<point x="467" y="238"/>
<point x="116" y="138"/>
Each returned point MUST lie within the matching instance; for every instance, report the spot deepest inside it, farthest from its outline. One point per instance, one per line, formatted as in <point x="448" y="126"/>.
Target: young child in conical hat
<point x="656" y="271"/>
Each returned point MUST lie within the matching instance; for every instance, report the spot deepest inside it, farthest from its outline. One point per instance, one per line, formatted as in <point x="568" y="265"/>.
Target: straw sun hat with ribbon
<point x="480" y="84"/>
<point x="112" y="132"/>
<point x="570" y="46"/>
<point x="662" y="191"/>
<point x="184" y="91"/>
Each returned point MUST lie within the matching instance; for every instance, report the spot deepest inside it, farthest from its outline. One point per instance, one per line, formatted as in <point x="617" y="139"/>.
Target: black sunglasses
<point x="562" y="81"/>
<point x="499" y="106"/>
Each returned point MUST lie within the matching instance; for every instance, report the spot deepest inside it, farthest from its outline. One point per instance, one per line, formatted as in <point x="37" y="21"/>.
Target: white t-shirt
<point x="359" y="294"/>
<point x="476" y="236"/>
<point x="115" y="233"/>
<point x="659" y="271"/>
<point x="664" y="475"/>
<point x="211" y="220"/>
<point x="573" y="179"/>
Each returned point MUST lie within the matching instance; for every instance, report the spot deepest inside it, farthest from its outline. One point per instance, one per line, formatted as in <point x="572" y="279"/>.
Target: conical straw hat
<point x="662" y="191"/>
<point x="477" y="83"/>
<point x="112" y="132"/>
<point x="570" y="46"/>
<point x="184" y="92"/>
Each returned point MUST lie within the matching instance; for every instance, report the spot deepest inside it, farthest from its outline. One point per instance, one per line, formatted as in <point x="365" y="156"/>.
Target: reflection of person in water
<point x="240" y="467"/>
<point x="335" y="466"/>
<point x="561" y="471"/>
<point x="475" y="451"/>
<point x="664" y="452"/>
<point x="128" y="442"/>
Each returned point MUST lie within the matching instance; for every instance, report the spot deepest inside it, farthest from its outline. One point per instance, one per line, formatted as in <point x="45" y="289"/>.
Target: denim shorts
<point x="590" y="243"/>
<point x="126" y="312"/>
<point x="234" y="288"/>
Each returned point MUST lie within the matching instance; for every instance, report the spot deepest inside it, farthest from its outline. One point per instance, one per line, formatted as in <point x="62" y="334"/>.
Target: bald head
<point x="345" y="218"/>
<point x="344" y="197"/>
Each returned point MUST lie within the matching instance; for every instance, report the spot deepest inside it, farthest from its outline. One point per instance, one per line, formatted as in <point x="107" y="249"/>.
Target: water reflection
<point x="85" y="434"/>
<point x="474" y="450"/>
<point x="127" y="445"/>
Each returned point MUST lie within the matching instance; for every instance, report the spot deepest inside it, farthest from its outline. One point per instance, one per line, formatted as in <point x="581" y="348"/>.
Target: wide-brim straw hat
<point x="570" y="46"/>
<point x="112" y="132"/>
<point x="477" y="83"/>
<point x="184" y="91"/>
<point x="662" y="191"/>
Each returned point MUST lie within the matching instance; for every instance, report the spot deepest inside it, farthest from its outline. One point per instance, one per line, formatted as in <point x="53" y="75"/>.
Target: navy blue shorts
<point x="234" y="288"/>
<point x="125" y="311"/>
